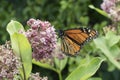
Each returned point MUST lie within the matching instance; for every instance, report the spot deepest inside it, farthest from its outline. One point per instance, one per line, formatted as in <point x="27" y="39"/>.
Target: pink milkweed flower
<point x="107" y="5"/>
<point x="9" y="62"/>
<point x="36" y="76"/>
<point x="42" y="37"/>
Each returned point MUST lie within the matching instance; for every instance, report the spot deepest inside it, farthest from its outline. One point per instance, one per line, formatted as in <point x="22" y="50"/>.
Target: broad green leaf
<point x="86" y="69"/>
<point x="73" y="62"/>
<point x="111" y="67"/>
<point x="14" y="26"/>
<point x="95" y="78"/>
<point x="99" y="11"/>
<point x="112" y="39"/>
<point x="115" y="49"/>
<point x="60" y="64"/>
<point x="101" y="44"/>
<point x="22" y="48"/>
<point x="44" y="65"/>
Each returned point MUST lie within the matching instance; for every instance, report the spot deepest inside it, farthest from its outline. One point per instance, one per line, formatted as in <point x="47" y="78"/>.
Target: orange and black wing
<point x="74" y="39"/>
<point x="81" y="36"/>
<point x="69" y="47"/>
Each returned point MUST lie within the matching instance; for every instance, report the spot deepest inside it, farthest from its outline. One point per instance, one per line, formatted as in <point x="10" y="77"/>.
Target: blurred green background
<point x="63" y="14"/>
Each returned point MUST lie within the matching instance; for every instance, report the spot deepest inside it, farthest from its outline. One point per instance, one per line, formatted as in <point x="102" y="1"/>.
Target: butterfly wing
<point x="69" y="47"/>
<point x="74" y="39"/>
<point x="81" y="36"/>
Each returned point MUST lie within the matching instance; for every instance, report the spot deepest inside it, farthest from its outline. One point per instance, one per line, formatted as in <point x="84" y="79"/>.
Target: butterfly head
<point x="60" y="33"/>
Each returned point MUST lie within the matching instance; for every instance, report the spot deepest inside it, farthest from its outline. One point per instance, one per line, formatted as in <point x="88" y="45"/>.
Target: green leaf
<point x="111" y="67"/>
<point x="111" y="38"/>
<point x="14" y="26"/>
<point x="99" y="11"/>
<point x="101" y="44"/>
<point x="95" y="78"/>
<point x="86" y="69"/>
<point x="60" y="64"/>
<point x="22" y="48"/>
<point x="115" y="49"/>
<point x="44" y="65"/>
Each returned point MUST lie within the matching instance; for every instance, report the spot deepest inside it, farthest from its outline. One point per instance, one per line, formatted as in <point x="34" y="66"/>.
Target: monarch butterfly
<point x="72" y="40"/>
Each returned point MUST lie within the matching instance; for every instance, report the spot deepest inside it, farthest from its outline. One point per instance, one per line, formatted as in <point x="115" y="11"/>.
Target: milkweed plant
<point x="39" y="45"/>
<point x="108" y="44"/>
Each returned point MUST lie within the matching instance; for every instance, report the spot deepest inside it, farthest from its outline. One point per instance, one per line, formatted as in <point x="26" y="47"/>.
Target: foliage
<point x="21" y="47"/>
<point x="108" y="46"/>
<point x="86" y="68"/>
<point x="62" y="14"/>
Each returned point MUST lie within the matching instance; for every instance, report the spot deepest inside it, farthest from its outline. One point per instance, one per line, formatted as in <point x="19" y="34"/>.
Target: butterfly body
<point x="72" y="40"/>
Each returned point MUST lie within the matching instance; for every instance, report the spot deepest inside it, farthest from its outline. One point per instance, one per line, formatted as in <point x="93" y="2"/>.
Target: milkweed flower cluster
<point x="112" y="8"/>
<point x="9" y="63"/>
<point x="42" y="37"/>
<point x="108" y="5"/>
<point x="36" y="76"/>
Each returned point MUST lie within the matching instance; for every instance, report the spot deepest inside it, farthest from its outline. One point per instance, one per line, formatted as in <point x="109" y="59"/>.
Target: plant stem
<point x="59" y="74"/>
